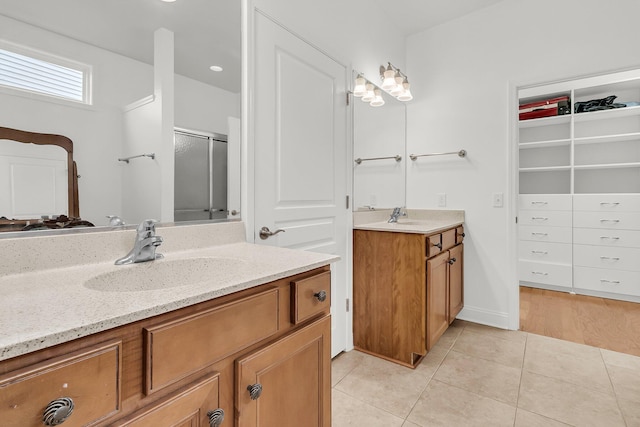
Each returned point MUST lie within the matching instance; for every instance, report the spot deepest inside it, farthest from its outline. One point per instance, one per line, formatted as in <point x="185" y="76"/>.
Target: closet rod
<point x="126" y="159"/>
<point x="461" y="153"/>
<point x="396" y="157"/>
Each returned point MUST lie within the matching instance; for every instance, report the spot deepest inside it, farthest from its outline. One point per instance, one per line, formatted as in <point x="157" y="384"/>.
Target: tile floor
<point x="482" y="376"/>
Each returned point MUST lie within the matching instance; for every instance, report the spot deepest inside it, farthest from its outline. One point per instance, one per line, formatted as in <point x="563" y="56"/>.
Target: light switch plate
<point x="442" y="200"/>
<point x="498" y="200"/>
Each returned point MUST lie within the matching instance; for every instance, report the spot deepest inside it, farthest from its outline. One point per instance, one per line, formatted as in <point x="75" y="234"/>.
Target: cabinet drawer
<point x="448" y="239"/>
<point x="186" y="407"/>
<point x="545" y="202"/>
<point x="545" y="252"/>
<point x="310" y="296"/>
<point x="608" y="220"/>
<point x="605" y="280"/>
<point x="607" y="202"/>
<point x="434" y="245"/>
<point x="544" y="234"/>
<point x="545" y="218"/>
<point x="90" y="378"/>
<point x="177" y="349"/>
<point x="546" y="273"/>
<point x="605" y="237"/>
<point x="459" y="234"/>
<point x="607" y="257"/>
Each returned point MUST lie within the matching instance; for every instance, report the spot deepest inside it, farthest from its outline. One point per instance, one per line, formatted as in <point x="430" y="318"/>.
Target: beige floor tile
<point x="445" y="405"/>
<point x="488" y="379"/>
<point x="504" y="334"/>
<point x="568" y="403"/>
<point x="450" y="336"/>
<point x="621" y="359"/>
<point x="506" y="352"/>
<point x="626" y="383"/>
<point x="409" y="424"/>
<point x="630" y="411"/>
<point x="385" y="385"/>
<point x="349" y="411"/>
<point x="529" y="419"/>
<point x="344" y="363"/>
<point x="567" y="361"/>
<point x="431" y="362"/>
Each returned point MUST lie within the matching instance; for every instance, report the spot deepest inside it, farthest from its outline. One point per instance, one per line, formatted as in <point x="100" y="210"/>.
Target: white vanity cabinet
<point x="579" y="190"/>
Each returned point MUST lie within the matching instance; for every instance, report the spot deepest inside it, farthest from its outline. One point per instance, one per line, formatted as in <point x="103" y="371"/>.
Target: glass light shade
<point x="406" y="95"/>
<point x="377" y="100"/>
<point x="389" y="81"/>
<point x="368" y="97"/>
<point x="360" y="88"/>
<point x="398" y="89"/>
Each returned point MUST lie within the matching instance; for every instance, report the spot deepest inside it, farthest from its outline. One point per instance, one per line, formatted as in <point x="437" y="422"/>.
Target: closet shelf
<point x="546" y="169"/>
<point x="608" y="166"/>
<point x="606" y="114"/>
<point x="541" y="144"/>
<point x="544" y="121"/>
<point x="607" y="138"/>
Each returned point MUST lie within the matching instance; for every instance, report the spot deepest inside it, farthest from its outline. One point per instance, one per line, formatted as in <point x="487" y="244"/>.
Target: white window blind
<point x="38" y="75"/>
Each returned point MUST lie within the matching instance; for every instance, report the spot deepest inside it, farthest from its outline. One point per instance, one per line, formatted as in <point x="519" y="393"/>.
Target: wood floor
<point x="599" y="322"/>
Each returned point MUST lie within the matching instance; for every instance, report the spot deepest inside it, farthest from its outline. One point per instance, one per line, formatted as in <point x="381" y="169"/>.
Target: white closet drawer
<point x="605" y="237"/>
<point x="546" y="218"/>
<point x="607" y="202"/>
<point x="608" y="220"/>
<point x="605" y="280"/>
<point x="549" y="274"/>
<point x="544" y="234"/>
<point x="545" y="202"/>
<point x="545" y="252"/>
<point x="607" y="257"/>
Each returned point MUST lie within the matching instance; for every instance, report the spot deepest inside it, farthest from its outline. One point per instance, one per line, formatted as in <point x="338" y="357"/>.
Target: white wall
<point x="461" y="74"/>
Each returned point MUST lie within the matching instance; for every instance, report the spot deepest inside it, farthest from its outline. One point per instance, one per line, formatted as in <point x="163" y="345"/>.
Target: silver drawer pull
<point x="611" y="258"/>
<point x="539" y="218"/>
<point x="609" y="238"/>
<point x="540" y="273"/>
<point x="539" y="203"/>
<point x="609" y="203"/>
<point x="613" y="282"/>
<point x="609" y="220"/>
<point x="539" y="234"/>
<point x="540" y="252"/>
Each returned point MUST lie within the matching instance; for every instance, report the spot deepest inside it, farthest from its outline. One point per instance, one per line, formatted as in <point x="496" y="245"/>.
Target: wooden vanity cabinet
<point x="174" y="369"/>
<point x="407" y="289"/>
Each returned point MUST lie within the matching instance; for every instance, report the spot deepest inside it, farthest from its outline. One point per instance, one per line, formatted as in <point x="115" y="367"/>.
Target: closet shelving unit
<point x="579" y="191"/>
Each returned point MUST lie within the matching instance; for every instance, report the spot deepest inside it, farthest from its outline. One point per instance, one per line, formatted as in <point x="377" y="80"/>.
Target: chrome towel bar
<point x="126" y="159"/>
<point x="397" y="158"/>
<point x="461" y="153"/>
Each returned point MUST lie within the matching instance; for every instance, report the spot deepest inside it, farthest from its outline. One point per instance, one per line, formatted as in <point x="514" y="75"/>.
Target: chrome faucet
<point x="395" y="214"/>
<point x="144" y="248"/>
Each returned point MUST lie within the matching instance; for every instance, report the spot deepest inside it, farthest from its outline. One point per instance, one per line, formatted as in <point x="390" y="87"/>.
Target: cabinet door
<point x="290" y="379"/>
<point x="186" y="408"/>
<point x="456" y="288"/>
<point x="437" y="306"/>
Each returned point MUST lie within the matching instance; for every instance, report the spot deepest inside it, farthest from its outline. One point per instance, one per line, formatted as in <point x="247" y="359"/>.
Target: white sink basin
<point x="163" y="274"/>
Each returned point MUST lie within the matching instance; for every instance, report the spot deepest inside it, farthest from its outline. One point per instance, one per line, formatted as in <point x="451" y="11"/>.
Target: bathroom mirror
<point x="116" y="39"/>
<point x="379" y="140"/>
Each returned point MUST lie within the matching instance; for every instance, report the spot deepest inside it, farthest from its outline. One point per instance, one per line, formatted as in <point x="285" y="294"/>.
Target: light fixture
<point x="168" y="1"/>
<point x="215" y="68"/>
<point x="369" y="95"/>
<point x="360" y="88"/>
<point x="388" y="78"/>
<point x="377" y="101"/>
<point x="395" y="82"/>
<point x="406" y="93"/>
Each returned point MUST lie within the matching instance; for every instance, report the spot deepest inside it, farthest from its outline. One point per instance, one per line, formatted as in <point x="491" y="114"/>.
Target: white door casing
<point x="300" y="153"/>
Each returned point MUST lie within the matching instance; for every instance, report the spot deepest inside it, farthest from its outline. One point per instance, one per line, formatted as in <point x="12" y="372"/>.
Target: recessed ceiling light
<point x="215" y="68"/>
<point x="168" y="1"/>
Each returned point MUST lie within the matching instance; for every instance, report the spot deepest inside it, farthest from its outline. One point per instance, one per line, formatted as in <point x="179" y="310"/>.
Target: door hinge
<point x="516" y="220"/>
<point x="348" y="93"/>
<point x="347" y="305"/>
<point x="347" y="202"/>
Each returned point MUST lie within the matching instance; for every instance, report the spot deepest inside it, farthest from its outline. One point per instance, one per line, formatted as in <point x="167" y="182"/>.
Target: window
<point x="32" y="71"/>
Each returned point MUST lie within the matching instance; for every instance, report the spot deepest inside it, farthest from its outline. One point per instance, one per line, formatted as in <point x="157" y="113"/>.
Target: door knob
<point x="255" y="390"/>
<point x="265" y="233"/>
<point x="321" y="296"/>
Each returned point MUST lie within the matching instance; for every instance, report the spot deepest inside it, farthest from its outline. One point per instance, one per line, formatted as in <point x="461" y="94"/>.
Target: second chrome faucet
<point x="397" y="212"/>
<point x="144" y="247"/>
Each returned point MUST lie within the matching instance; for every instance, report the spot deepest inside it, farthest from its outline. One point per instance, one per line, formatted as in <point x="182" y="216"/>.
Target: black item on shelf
<point x="597" y="104"/>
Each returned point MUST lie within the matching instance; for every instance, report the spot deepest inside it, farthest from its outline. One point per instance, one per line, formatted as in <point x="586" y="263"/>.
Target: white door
<point x="300" y="153"/>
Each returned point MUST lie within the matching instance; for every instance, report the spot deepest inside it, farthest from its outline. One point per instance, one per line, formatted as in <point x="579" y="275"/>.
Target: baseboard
<point x="496" y="319"/>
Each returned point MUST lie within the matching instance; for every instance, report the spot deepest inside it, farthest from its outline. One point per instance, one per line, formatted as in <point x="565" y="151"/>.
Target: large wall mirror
<point x="115" y="38"/>
<point x="379" y="138"/>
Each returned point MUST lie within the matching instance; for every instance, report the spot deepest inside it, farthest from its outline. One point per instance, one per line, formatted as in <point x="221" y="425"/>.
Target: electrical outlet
<point x="442" y="200"/>
<point x="498" y="200"/>
<point x="373" y="200"/>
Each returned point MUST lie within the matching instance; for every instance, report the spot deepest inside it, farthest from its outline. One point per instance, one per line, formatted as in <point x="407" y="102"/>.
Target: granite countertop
<point x="417" y="221"/>
<point x="40" y="308"/>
